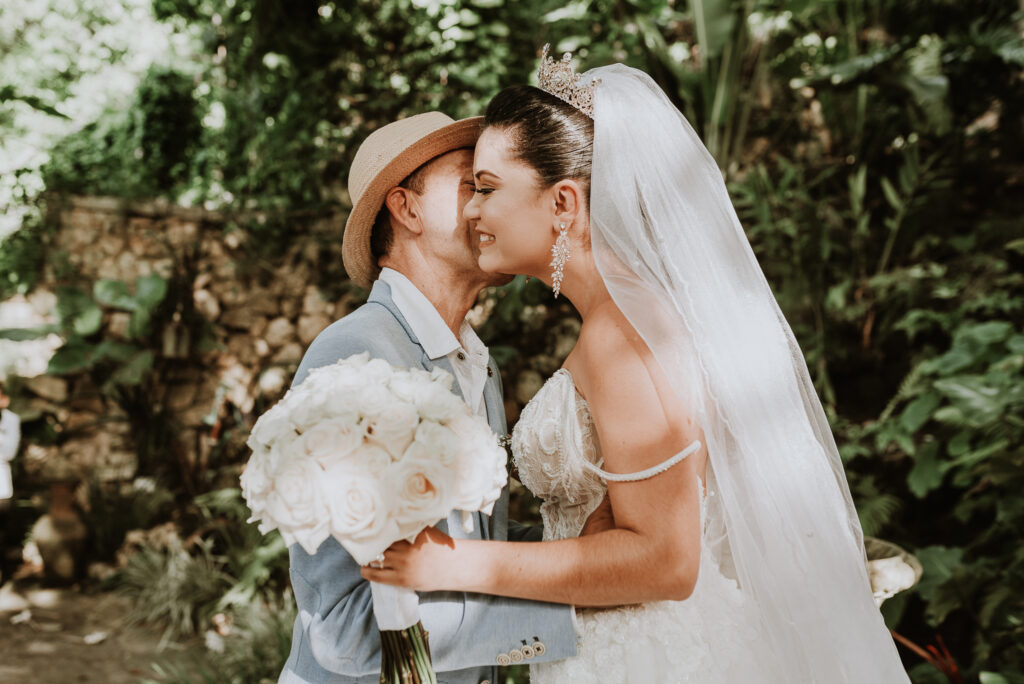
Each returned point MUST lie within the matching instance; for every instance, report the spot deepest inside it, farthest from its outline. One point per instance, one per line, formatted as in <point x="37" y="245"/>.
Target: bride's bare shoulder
<point x="632" y="401"/>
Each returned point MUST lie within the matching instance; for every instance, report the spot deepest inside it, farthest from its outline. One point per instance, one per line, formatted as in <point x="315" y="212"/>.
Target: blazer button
<point x="516" y="655"/>
<point x="539" y="648"/>
<point x="485" y="681"/>
<point x="528" y="651"/>
<point x="503" y="659"/>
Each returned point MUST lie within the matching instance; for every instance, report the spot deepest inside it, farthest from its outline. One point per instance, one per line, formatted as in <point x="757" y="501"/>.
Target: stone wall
<point x="230" y="345"/>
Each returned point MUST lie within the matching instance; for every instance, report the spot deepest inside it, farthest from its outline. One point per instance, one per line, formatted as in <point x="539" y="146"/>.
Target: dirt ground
<point x="63" y="635"/>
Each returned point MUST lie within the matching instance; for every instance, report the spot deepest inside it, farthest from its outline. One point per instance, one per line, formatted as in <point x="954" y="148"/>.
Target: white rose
<point x="377" y="371"/>
<point x="442" y="377"/>
<point x="271" y="427"/>
<point x="405" y="385"/>
<point x="373" y="400"/>
<point x="256" y="479"/>
<point x="309" y="537"/>
<point x="357" y="504"/>
<point x="343" y="404"/>
<point x="310" y="410"/>
<point x="439" y="441"/>
<point x="421" y="487"/>
<point x="436" y="403"/>
<point x="394" y="427"/>
<point x="295" y="504"/>
<point x="480" y="463"/>
<point x="332" y="438"/>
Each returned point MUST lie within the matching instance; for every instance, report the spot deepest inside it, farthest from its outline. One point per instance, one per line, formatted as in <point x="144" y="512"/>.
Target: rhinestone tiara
<point x="562" y="81"/>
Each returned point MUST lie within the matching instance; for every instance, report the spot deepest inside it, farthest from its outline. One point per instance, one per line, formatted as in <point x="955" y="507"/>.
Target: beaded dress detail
<point x="707" y="638"/>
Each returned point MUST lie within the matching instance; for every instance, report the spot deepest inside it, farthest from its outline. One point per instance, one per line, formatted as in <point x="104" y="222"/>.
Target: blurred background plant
<point x="873" y="149"/>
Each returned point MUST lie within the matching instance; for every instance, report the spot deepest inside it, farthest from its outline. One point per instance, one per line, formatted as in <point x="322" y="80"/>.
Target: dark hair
<point x="382" y="234"/>
<point x="549" y="135"/>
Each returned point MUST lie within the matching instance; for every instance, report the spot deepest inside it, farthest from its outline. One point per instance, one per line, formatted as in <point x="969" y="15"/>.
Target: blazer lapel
<point x="381" y="294"/>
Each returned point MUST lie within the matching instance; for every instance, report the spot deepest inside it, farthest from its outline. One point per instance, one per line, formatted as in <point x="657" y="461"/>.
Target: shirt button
<point x="490" y="372"/>
<point x="460" y="356"/>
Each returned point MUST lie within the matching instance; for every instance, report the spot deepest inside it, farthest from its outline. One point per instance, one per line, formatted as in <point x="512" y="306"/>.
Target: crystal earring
<point x="559" y="254"/>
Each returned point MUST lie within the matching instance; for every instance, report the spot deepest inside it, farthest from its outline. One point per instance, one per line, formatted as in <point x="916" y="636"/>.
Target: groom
<point x="406" y="235"/>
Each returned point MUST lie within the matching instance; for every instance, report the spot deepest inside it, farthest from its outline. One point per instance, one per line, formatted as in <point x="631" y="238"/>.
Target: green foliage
<point x="124" y="364"/>
<point x="254" y="650"/>
<point x="173" y="587"/>
<point x="22" y="256"/>
<point x="144" y="151"/>
<point x="115" y="510"/>
<point x="257" y="562"/>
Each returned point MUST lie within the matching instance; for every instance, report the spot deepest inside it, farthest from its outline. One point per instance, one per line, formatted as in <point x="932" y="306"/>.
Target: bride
<point x="732" y="551"/>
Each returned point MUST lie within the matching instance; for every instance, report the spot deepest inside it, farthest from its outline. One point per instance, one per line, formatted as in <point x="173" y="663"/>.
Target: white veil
<point x="677" y="263"/>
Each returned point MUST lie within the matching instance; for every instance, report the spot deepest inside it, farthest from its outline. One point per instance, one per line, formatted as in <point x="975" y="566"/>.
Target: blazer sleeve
<point x="466" y="630"/>
<point x="335" y="606"/>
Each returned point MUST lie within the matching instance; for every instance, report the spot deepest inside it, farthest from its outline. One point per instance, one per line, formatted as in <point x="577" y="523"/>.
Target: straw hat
<point x="383" y="161"/>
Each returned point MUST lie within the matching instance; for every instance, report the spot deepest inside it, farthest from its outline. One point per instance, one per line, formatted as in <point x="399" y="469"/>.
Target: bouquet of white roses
<point x="370" y="454"/>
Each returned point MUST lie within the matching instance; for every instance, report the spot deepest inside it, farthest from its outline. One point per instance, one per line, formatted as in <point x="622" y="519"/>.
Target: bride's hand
<point x="420" y="565"/>
<point x="600" y="520"/>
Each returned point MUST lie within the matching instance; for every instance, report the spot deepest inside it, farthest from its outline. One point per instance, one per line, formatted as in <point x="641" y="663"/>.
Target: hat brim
<point x="359" y="262"/>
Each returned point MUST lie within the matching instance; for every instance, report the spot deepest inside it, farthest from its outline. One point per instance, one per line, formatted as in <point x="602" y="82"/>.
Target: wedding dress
<point x="709" y="638"/>
<point x="778" y="516"/>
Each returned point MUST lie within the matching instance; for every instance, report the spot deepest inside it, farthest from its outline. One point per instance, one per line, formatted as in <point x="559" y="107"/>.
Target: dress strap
<point x="643" y="474"/>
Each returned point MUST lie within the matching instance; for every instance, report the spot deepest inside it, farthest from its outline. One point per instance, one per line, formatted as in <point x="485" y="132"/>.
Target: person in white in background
<point x="10" y="435"/>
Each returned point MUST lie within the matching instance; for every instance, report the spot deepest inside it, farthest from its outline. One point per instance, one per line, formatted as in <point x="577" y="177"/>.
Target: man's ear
<point x="568" y="201"/>
<point x="405" y="210"/>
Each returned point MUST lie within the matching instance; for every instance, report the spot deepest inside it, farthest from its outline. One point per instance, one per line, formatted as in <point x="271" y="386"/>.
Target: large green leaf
<point x="947" y="598"/>
<point x="133" y="372"/>
<point x="23" y="334"/>
<point x="113" y="293"/>
<point x="150" y="290"/>
<point x="927" y="472"/>
<point x="986" y="333"/>
<point x="992" y="678"/>
<point x="114" y="351"/>
<point x="919" y="411"/>
<point x="88" y="321"/>
<point x="972" y="394"/>
<point x="847" y="71"/>
<point x="714" y="21"/>
<point x="71" y="358"/>
<point x="938" y="563"/>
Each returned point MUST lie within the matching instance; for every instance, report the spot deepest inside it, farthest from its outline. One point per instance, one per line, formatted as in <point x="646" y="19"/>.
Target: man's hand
<point x="601" y="519"/>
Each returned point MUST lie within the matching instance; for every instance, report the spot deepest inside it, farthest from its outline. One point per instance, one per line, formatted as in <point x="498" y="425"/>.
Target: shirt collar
<point x="426" y="323"/>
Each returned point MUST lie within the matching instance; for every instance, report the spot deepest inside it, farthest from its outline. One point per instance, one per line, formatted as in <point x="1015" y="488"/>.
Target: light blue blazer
<point x="335" y="637"/>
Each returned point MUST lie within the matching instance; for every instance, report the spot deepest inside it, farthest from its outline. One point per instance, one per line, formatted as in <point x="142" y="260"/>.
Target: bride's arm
<point x="653" y="551"/>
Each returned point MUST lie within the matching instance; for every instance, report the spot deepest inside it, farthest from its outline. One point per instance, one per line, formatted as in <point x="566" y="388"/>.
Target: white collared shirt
<point x="468" y="356"/>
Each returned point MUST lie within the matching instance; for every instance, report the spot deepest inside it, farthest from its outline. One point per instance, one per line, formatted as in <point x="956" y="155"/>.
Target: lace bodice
<point x="706" y="639"/>
<point x="551" y="443"/>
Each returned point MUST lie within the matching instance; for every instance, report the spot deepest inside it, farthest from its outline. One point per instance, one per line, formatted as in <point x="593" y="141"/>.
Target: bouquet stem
<point x="405" y="656"/>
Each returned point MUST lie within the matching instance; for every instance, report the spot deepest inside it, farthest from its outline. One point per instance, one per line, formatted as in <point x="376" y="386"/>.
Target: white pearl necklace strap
<point x="644" y="474"/>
